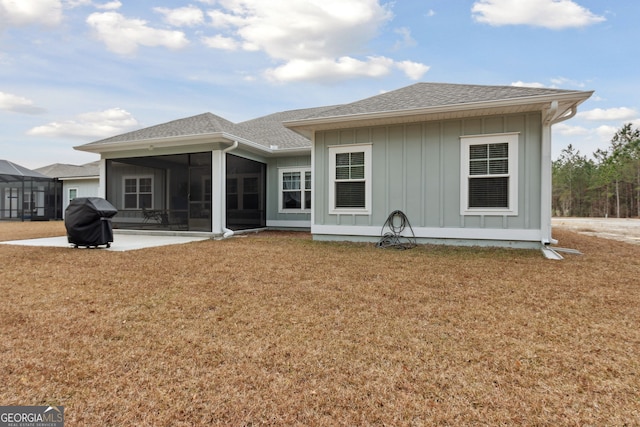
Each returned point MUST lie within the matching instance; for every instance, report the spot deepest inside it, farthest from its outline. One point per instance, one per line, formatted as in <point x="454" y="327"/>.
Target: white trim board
<point x="530" y="235"/>
<point x="288" y="223"/>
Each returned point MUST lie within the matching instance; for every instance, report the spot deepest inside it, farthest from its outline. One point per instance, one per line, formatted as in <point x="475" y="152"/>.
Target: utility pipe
<point x="546" y="174"/>
<point x="226" y="233"/>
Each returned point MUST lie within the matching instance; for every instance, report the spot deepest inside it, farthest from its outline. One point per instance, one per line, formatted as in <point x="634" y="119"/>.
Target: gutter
<point x="153" y="143"/>
<point x="226" y="233"/>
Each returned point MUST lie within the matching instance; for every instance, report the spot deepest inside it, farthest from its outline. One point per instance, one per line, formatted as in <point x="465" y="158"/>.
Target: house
<point x="77" y="180"/>
<point x="28" y="195"/>
<point x="467" y="164"/>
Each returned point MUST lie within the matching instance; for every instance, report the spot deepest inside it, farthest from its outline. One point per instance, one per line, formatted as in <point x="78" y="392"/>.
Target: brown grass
<point x="275" y="329"/>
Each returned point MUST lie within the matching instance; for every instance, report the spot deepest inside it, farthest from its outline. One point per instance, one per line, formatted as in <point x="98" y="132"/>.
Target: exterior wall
<point x="416" y="169"/>
<point x="86" y="187"/>
<point x="275" y="218"/>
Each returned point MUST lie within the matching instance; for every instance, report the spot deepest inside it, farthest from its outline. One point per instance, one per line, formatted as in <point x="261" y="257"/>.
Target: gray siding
<point x="416" y="169"/>
<point x="273" y="165"/>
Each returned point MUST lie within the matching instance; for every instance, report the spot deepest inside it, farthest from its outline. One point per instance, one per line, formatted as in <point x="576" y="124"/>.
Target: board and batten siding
<point x="416" y="169"/>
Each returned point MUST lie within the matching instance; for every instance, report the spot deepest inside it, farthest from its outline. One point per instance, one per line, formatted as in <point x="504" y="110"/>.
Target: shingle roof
<point x="61" y="170"/>
<point x="265" y="131"/>
<point x="426" y="95"/>
<point x="10" y="168"/>
<point x="269" y="131"/>
<point x="201" y="124"/>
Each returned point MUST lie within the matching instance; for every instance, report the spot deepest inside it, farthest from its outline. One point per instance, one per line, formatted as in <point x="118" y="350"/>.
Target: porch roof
<point x="266" y="134"/>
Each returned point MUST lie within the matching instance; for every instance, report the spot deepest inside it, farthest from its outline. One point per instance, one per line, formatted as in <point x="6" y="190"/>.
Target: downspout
<point x="226" y="233"/>
<point x="549" y="120"/>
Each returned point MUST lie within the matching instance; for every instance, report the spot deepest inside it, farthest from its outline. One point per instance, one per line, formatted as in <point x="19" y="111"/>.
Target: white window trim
<point x="137" y="178"/>
<point x="350" y="148"/>
<point x="302" y="170"/>
<point x="465" y="143"/>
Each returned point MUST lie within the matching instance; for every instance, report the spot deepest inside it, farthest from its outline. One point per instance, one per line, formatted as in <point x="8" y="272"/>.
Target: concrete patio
<point x="121" y="241"/>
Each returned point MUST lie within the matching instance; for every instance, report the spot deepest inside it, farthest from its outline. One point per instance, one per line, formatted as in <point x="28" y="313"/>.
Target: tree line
<point x="607" y="185"/>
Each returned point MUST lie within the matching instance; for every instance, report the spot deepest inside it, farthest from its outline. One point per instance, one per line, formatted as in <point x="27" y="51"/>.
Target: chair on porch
<point x="150" y="214"/>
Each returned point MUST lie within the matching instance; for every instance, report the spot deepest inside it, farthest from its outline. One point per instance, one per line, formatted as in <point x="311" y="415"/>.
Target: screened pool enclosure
<point x="26" y="195"/>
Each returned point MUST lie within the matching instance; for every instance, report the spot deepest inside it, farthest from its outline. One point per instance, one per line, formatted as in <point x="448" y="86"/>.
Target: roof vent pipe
<point x="226" y="233"/>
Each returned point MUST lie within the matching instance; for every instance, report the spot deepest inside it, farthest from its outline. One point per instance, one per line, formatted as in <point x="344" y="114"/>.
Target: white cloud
<point x="609" y="114"/>
<point x="27" y="12"/>
<point x="18" y="104"/>
<point x="520" y="83"/>
<point x="555" y="83"/>
<point x="97" y="124"/>
<point x="563" y="81"/>
<point x="221" y="42"/>
<point x="123" y="35"/>
<point x="406" y="40"/>
<point x="414" y="70"/>
<point x="327" y="69"/>
<point x="554" y="14"/>
<point x="568" y="130"/>
<point x="313" y="39"/>
<point x="112" y="5"/>
<point x="605" y="132"/>
<point x="187" y="16"/>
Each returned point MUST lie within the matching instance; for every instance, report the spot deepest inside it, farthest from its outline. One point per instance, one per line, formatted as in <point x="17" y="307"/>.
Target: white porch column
<point x="102" y="180"/>
<point x="218" y="203"/>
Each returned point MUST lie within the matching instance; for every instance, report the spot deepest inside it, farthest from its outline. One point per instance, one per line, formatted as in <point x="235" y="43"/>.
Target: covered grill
<point x="88" y="222"/>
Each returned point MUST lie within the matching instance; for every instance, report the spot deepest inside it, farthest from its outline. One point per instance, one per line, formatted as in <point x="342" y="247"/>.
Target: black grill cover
<point x="88" y="221"/>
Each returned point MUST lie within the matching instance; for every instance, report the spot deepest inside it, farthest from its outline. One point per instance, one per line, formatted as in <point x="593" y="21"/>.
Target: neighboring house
<point x="467" y="164"/>
<point x="77" y="180"/>
<point x="28" y="195"/>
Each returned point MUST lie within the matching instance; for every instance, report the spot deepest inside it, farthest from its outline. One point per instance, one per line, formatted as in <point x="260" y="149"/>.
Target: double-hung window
<point x="350" y="179"/>
<point x="489" y="176"/>
<point x="295" y="189"/>
<point x="138" y="192"/>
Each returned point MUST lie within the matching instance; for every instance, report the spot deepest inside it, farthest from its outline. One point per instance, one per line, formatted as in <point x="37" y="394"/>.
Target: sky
<point x="76" y="71"/>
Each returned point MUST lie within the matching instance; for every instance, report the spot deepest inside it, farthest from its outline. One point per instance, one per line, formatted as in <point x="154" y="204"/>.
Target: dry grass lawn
<point x="275" y="329"/>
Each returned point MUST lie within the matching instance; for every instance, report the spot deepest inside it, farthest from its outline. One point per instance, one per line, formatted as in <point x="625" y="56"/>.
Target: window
<point x="73" y="193"/>
<point x="295" y="189"/>
<point x="350" y="179"/>
<point x="489" y="178"/>
<point x="138" y="192"/>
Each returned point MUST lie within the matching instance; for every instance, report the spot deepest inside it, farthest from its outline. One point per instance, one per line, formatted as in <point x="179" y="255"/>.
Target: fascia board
<point x="77" y="178"/>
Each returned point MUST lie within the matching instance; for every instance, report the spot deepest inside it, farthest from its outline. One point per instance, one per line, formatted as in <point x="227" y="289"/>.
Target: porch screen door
<point x="200" y="192"/>
<point x="10" y="203"/>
